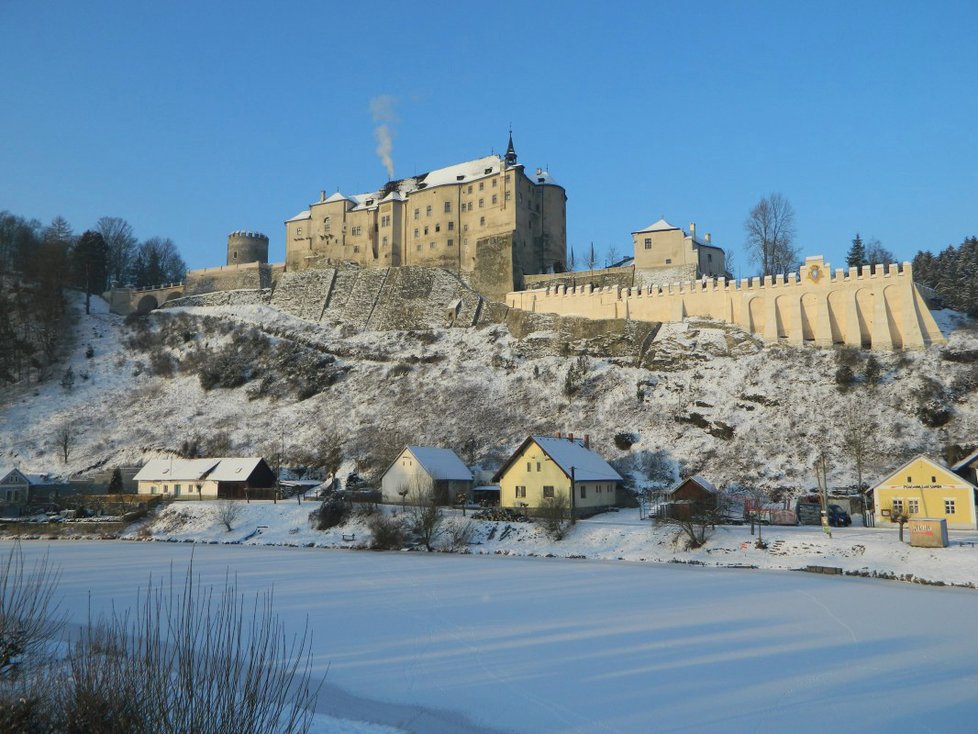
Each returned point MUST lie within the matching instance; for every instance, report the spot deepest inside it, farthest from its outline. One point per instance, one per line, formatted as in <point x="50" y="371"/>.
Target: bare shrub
<point x="28" y="616"/>
<point x="161" y="363"/>
<point x="332" y="512"/>
<point x="459" y="533"/>
<point x="228" y="512"/>
<point x="425" y="519"/>
<point x="387" y="532"/>
<point x="554" y="515"/>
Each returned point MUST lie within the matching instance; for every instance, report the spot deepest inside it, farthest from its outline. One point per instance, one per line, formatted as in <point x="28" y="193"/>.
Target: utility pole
<point x="821" y="476"/>
<point x="573" y="489"/>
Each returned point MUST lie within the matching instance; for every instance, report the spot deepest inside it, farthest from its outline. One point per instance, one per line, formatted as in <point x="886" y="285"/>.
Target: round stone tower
<point x="247" y="247"/>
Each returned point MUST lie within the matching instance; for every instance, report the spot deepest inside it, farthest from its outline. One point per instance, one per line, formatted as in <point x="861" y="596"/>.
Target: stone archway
<point x="755" y="310"/>
<point x="147" y="303"/>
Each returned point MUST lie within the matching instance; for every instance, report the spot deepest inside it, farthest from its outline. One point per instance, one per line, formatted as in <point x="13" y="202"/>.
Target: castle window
<point x="437" y="227"/>
<point x="482" y="203"/>
<point x="482" y="185"/>
<point x="668" y="261"/>
<point x="428" y="211"/>
<point x="426" y="229"/>
<point x="431" y="245"/>
<point x="470" y="188"/>
<point x="235" y="255"/>
<point x="418" y="248"/>
<point x="417" y="213"/>
<point x="385" y="240"/>
<point x="451" y="226"/>
<point x="356" y="248"/>
<point x="415" y="232"/>
<point x="482" y="221"/>
<point x="298" y="231"/>
<point x="519" y="197"/>
<point x="648" y="243"/>
<point x="451" y="243"/>
<point x="509" y="195"/>
<point x="448" y="207"/>
<point x="470" y="206"/>
<point x="465" y="228"/>
<point x="494" y="183"/>
<point x="495" y="199"/>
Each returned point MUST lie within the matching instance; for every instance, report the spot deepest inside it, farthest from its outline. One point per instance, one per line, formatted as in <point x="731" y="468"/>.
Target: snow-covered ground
<point x="612" y="536"/>
<point x="458" y="643"/>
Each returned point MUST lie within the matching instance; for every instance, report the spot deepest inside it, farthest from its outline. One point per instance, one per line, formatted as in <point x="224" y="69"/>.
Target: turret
<point x="247" y="247"/>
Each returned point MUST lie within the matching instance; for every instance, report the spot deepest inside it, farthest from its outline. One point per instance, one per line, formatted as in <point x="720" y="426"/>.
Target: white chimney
<point x="322" y="196"/>
<point x="692" y="229"/>
<point x="708" y="238"/>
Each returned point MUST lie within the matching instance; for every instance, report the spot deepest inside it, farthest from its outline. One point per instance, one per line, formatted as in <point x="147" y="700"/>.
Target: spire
<point x="510" y="150"/>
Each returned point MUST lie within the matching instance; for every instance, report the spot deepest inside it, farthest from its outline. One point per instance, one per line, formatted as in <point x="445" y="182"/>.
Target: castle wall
<point x="878" y="309"/>
<point x="252" y="275"/>
<point x="623" y="277"/>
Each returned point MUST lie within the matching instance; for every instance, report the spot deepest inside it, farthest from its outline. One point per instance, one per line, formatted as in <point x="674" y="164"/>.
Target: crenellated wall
<point x="879" y="308"/>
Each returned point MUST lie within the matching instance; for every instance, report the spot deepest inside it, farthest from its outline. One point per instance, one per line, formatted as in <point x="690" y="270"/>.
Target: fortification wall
<point x="252" y="275"/>
<point x="878" y="309"/>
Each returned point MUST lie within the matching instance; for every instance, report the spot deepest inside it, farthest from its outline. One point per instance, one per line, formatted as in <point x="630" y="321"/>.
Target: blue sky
<point x="193" y="119"/>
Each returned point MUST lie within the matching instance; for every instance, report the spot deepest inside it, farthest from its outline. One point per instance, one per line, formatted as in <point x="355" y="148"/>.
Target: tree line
<point x="953" y="273"/>
<point x="37" y="263"/>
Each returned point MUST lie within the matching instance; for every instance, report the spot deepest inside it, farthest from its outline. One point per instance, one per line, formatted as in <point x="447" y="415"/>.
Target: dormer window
<point x="460" y="178"/>
<point x="488" y="170"/>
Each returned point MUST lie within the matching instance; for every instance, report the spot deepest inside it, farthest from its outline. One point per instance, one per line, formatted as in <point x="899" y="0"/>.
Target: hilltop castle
<point x="488" y="220"/>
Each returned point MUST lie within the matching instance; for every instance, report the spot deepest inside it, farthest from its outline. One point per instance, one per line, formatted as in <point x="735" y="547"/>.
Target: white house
<point x="439" y="473"/>
<point x="14" y="486"/>
<point x="231" y="478"/>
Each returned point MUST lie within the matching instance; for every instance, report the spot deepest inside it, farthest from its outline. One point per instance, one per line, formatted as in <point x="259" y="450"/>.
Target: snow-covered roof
<point x="704" y="483"/>
<point x="175" y="470"/>
<point x="921" y="457"/>
<point x="956" y="468"/>
<point x="301" y="215"/>
<point x="441" y="463"/>
<point x="337" y="197"/>
<point x="661" y="226"/>
<point x="543" y="177"/>
<point x="569" y="454"/>
<point x="234" y="470"/>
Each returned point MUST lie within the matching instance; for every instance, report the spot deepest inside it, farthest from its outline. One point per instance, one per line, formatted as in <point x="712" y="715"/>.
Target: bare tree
<point x="591" y="257"/>
<point x="876" y="254"/>
<point x="121" y="242"/>
<point x="425" y="518"/>
<point x="612" y="256"/>
<point x="900" y="515"/>
<point x="65" y="436"/>
<point x="858" y="437"/>
<point x="228" y="512"/>
<point x="770" y="235"/>
<point x="696" y="520"/>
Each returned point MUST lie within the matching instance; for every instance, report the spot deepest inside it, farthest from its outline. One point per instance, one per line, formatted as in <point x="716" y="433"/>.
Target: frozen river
<point x="450" y="643"/>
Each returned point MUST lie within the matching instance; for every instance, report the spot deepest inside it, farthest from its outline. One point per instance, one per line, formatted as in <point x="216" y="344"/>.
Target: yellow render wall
<point x="881" y="309"/>
<point x="930" y="485"/>
<point x="548" y="474"/>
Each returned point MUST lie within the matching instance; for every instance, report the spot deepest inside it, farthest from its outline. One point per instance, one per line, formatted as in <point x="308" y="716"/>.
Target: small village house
<point x="688" y="497"/>
<point x="422" y="471"/>
<point x="218" y="478"/>
<point x="927" y="489"/>
<point x="546" y="467"/>
<point x="15" y="487"/>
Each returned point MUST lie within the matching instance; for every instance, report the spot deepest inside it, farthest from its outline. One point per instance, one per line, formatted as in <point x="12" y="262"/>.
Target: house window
<point x="909" y="480"/>
<point x="933" y="480"/>
<point x="538" y="466"/>
<point x="709" y="258"/>
<point x="648" y="243"/>
<point x="583" y="492"/>
<point x="356" y="231"/>
<point x="948" y="507"/>
<point x="448" y="207"/>
<point x="548" y="491"/>
<point x="152" y="489"/>
<point x="521" y="492"/>
<point x="913" y="506"/>
<point x="451" y="226"/>
<point x="529" y="466"/>
<point x="898" y="506"/>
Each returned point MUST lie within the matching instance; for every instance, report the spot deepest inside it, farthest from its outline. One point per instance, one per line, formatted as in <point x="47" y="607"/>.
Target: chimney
<point x="570" y="436"/>
<point x="692" y="230"/>
<point x="559" y="435"/>
<point x="322" y="196"/>
<point x="708" y="238"/>
<point x="587" y="441"/>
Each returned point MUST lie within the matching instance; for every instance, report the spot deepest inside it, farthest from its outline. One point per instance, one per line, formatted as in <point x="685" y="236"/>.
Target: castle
<point x="503" y="233"/>
<point x="487" y="220"/>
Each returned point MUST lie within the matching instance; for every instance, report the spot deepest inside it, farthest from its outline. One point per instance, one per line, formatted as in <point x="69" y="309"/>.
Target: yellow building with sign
<point x="927" y="489"/>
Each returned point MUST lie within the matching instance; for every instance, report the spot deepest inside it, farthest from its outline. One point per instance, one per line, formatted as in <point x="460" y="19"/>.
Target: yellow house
<point x="546" y="467"/>
<point x="925" y="488"/>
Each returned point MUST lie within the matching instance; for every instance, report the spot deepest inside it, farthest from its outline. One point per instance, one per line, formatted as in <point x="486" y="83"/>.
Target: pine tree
<point x="857" y="253"/>
<point x="115" y="484"/>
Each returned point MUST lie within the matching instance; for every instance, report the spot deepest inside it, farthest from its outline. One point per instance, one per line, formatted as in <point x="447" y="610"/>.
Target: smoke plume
<point x="382" y="110"/>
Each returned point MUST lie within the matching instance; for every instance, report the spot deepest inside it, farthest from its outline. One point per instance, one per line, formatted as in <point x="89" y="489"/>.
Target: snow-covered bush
<point x="387" y="532"/>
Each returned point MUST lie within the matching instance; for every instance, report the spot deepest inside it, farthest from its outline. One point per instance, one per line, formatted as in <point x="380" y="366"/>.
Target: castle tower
<point x="247" y="247"/>
<point x="510" y="151"/>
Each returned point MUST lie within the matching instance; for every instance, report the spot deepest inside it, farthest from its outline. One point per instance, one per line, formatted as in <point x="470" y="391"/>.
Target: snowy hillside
<point x="704" y="396"/>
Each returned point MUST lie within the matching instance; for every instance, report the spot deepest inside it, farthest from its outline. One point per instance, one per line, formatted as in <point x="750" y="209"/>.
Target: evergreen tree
<point x="857" y="253"/>
<point x="115" y="484"/>
<point x="89" y="264"/>
<point x="953" y="274"/>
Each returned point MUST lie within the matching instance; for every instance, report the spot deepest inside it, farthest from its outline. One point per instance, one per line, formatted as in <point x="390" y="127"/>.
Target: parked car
<point x="839" y="517"/>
